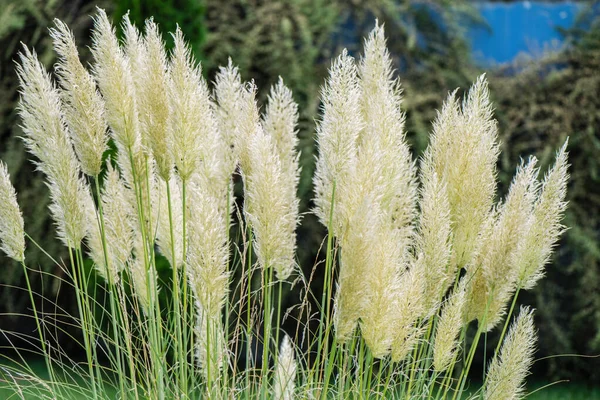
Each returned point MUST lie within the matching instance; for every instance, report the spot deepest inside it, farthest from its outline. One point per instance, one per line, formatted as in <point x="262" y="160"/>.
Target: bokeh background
<point x="542" y="60"/>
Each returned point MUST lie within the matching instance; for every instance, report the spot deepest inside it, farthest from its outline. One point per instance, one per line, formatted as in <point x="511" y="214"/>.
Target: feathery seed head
<point x="285" y="371"/>
<point x="544" y="227"/>
<point x="507" y="372"/>
<point x="383" y="150"/>
<point x="337" y="137"/>
<point x="448" y="328"/>
<point x="169" y="232"/>
<point x="112" y="69"/>
<point x="210" y="343"/>
<point x="280" y="121"/>
<point x="382" y="286"/>
<point x="118" y="231"/>
<point x="271" y="206"/>
<point x="190" y="119"/>
<point x="411" y="307"/>
<point x="83" y="105"/>
<point x="499" y="258"/>
<point x="12" y="233"/>
<point x="208" y="251"/>
<point x="154" y="101"/>
<point x="434" y="237"/>
<point x="228" y="94"/>
<point x="46" y="138"/>
<point x="464" y="144"/>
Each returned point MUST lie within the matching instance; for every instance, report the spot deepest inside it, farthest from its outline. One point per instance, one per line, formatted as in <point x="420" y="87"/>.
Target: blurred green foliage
<point x="537" y="108"/>
<point x="187" y="14"/>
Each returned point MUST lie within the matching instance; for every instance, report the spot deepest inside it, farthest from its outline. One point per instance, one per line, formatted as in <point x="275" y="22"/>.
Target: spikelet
<point x="464" y="150"/>
<point x="228" y="92"/>
<point x="507" y="372"/>
<point x="153" y="101"/>
<point x="337" y="136"/>
<point x="46" y="138"/>
<point x="449" y="325"/>
<point x="270" y="206"/>
<point x="434" y="236"/>
<point x="12" y="233"/>
<point x="544" y="227"/>
<point x="118" y="230"/>
<point x="169" y="233"/>
<point x="285" y="371"/>
<point x="392" y="171"/>
<point x="112" y="70"/>
<point x="83" y="105"/>
<point x="190" y="109"/>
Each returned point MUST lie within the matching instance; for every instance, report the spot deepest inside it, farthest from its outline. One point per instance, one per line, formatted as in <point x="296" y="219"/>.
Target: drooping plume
<point x="544" y="228"/>
<point x="12" y="233"/>
<point x="83" y="105"/>
<point x="47" y="139"/>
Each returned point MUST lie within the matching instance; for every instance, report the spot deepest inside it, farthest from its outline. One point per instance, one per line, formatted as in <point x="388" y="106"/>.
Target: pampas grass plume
<point x="12" y="233"/>
<point x="507" y="372"/>
<point x="83" y="105"/>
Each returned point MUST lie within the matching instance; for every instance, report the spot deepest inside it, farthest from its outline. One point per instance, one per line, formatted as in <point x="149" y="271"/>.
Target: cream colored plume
<point x="46" y="138"/>
<point x="449" y="324"/>
<point x="143" y="274"/>
<point x="382" y="139"/>
<point x="190" y="118"/>
<point x="280" y="122"/>
<point x="337" y="136"/>
<point x="285" y="371"/>
<point x="355" y="255"/>
<point x="411" y="308"/>
<point x="83" y="105"/>
<point x="169" y="233"/>
<point x="208" y="251"/>
<point x="506" y="374"/>
<point x="12" y="232"/>
<point x="210" y="344"/>
<point x="434" y="237"/>
<point x="118" y="232"/>
<point x="544" y="227"/>
<point x="270" y="205"/>
<point x="248" y="123"/>
<point x="464" y="151"/>
<point x="498" y="258"/>
<point x="154" y="101"/>
<point x="112" y="69"/>
<point x="382" y="286"/>
<point x="228" y="94"/>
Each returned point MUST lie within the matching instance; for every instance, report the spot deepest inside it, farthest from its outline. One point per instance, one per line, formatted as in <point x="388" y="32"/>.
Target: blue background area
<point x="527" y="26"/>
